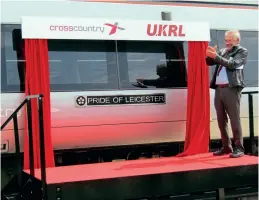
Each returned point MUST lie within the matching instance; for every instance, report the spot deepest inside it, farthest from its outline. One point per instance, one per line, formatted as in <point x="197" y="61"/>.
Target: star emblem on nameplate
<point x="80" y="101"/>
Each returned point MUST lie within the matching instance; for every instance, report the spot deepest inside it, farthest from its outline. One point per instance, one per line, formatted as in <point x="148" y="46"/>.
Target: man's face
<point x="230" y="40"/>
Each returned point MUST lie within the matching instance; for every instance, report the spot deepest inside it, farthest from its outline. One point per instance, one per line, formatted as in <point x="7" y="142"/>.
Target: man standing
<point x="228" y="82"/>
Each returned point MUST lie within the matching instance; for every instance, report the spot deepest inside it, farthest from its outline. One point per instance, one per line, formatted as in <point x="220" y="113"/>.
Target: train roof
<point x="230" y="2"/>
<point x="215" y="2"/>
<point x="220" y="17"/>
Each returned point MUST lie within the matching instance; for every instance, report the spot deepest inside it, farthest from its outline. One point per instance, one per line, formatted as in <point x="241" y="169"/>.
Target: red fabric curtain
<point x="198" y="101"/>
<point x="37" y="82"/>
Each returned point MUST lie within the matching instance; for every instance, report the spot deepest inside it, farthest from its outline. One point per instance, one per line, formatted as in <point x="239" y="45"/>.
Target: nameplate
<point x="120" y="100"/>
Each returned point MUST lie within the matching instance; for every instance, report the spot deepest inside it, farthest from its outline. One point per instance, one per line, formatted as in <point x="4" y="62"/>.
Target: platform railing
<point x="251" y="121"/>
<point x="14" y="117"/>
<point x="252" y="146"/>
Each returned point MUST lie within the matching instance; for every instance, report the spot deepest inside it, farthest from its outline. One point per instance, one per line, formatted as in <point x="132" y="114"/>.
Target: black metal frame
<point x="251" y="120"/>
<point x="13" y="116"/>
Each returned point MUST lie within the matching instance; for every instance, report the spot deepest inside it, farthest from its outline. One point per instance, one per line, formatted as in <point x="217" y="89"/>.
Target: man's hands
<point x="211" y="52"/>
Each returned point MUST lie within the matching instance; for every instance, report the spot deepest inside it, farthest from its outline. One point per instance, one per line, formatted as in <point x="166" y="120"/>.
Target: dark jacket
<point x="235" y="58"/>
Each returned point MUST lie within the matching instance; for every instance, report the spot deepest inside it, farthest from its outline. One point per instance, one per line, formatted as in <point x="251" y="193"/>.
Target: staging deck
<point x="160" y="178"/>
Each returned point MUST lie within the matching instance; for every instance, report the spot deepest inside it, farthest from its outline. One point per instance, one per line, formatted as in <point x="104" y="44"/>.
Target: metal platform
<point x="193" y="177"/>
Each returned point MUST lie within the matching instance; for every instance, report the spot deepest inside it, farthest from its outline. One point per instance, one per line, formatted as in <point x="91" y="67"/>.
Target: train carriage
<point x="83" y="68"/>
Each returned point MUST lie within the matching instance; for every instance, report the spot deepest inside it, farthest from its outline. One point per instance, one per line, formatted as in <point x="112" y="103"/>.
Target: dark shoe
<point x="236" y="153"/>
<point x="222" y="152"/>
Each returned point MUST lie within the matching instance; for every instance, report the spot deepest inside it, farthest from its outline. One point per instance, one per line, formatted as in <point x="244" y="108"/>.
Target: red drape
<point x="37" y="82"/>
<point x="198" y="101"/>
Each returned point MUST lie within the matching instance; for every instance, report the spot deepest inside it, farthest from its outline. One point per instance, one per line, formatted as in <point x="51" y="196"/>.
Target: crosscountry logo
<point x="114" y="28"/>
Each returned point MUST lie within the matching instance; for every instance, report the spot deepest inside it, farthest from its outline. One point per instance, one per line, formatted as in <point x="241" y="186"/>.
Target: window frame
<point x="123" y="74"/>
<point x="215" y="32"/>
<point x="70" y="87"/>
<point x="220" y="40"/>
<point x="5" y="88"/>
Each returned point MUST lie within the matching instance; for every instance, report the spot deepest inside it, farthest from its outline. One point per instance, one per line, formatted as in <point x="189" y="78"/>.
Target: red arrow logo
<point x="114" y="27"/>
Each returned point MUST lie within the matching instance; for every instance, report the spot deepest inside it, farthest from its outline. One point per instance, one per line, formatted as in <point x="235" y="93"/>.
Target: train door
<point x="12" y="83"/>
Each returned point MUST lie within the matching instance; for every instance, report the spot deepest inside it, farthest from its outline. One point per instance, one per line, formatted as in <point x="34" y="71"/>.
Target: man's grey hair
<point x="236" y="33"/>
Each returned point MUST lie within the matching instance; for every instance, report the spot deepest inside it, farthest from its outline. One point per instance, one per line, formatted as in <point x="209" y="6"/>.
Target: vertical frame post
<point x="42" y="149"/>
<point x="17" y="149"/>
<point x="220" y="194"/>
<point x="29" y="114"/>
<point x="251" y="122"/>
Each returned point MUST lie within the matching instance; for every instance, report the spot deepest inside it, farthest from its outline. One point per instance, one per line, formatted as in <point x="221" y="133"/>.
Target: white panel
<point x="113" y="29"/>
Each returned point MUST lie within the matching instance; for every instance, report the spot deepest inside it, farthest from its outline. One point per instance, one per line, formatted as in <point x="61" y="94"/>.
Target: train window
<point x="213" y="42"/>
<point x="82" y="65"/>
<point x="13" y="59"/>
<point x="249" y="40"/>
<point x="155" y="64"/>
<point x="74" y="64"/>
